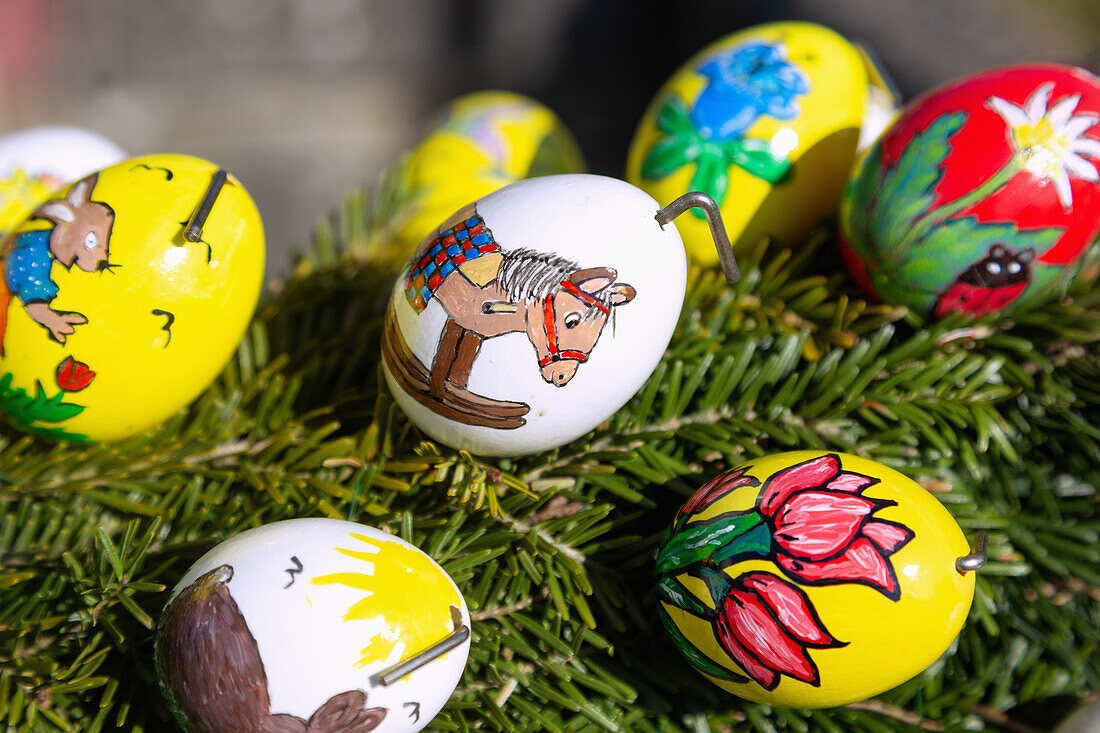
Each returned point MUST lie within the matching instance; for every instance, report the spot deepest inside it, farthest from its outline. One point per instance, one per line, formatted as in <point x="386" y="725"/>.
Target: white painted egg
<point x="1085" y="719"/>
<point x="38" y="160"/>
<point x="61" y="152"/>
<point x="312" y="624"/>
<point x="533" y="314"/>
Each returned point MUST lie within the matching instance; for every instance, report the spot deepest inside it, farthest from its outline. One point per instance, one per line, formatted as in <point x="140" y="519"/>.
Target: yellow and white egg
<point x="312" y="619"/>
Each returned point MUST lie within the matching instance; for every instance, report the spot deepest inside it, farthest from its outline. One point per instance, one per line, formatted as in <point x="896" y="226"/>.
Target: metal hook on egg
<point x="403" y="669"/>
<point x="699" y="200"/>
<point x="978" y="557"/>
<point x="193" y="232"/>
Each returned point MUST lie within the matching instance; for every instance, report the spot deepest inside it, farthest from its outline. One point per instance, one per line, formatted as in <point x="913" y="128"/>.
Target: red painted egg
<point x="981" y="196"/>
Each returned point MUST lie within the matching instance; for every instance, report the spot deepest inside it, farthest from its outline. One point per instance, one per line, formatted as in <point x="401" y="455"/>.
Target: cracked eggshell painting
<point x="531" y="315"/>
<point x="298" y="625"/>
<point x="110" y="320"/>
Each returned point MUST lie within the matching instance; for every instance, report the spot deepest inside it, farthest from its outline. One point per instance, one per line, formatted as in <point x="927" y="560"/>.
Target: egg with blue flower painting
<point x="123" y="295"/>
<point x="312" y="626"/>
<point x="766" y="121"/>
<point x="982" y="197"/>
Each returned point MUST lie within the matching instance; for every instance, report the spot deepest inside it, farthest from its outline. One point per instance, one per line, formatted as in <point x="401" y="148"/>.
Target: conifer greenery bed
<point x="554" y="552"/>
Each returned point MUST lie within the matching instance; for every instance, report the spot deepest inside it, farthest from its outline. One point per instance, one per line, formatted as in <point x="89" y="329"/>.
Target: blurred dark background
<point x="306" y="99"/>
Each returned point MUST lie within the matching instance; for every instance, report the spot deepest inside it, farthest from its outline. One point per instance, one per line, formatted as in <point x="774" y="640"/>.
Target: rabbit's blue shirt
<point x="27" y="267"/>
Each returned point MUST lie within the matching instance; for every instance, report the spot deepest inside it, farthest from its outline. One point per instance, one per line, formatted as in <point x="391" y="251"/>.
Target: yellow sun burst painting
<point x="404" y="589"/>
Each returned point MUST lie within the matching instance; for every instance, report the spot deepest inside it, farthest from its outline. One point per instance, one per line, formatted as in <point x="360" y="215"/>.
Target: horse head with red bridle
<point x="565" y="324"/>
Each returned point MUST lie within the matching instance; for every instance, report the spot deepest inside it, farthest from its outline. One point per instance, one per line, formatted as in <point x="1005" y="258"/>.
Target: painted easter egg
<point x="36" y="161"/>
<point x="983" y="194"/>
<point x="812" y="579"/>
<point x="1085" y="719"/>
<point x="316" y="625"/>
<point x="111" y="318"/>
<point x="531" y="315"/>
<point x="479" y="143"/>
<point x="767" y="122"/>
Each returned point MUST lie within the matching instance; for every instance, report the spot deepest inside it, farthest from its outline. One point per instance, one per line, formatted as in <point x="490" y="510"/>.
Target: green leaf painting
<point x="698" y="660"/>
<point x="907" y="192"/>
<point x="700" y="540"/>
<point x="924" y="270"/>
<point x="914" y="251"/>
<point x="684" y="145"/>
<point x="28" y="411"/>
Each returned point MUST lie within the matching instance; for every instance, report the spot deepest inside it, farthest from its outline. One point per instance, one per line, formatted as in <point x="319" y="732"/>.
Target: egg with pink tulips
<point x="813" y="579"/>
<point x="982" y="196"/>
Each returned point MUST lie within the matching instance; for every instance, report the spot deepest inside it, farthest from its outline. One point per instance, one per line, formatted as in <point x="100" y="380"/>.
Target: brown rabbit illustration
<point x="80" y="236"/>
<point x="210" y="666"/>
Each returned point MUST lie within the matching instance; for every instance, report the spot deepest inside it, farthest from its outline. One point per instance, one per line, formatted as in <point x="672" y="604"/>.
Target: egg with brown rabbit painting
<point x="112" y="316"/>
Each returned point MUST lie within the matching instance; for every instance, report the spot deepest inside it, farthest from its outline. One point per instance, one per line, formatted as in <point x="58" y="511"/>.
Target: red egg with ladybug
<point x="982" y="195"/>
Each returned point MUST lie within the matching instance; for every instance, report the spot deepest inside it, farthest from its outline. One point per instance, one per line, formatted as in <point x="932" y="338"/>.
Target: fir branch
<point x="553" y="552"/>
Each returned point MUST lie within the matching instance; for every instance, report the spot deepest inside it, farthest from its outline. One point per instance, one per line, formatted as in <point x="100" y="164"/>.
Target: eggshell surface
<point x="982" y="196"/>
<point x="533" y="314"/>
<point x="113" y="321"/>
<point x="767" y="122"/>
<point x="300" y="619"/>
<point x="812" y="579"/>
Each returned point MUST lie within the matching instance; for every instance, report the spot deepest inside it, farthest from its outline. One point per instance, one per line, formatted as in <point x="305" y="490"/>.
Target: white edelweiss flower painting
<point x="1051" y="142"/>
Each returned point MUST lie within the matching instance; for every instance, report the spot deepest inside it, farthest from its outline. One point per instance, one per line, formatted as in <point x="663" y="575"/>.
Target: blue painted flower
<point x="744" y="83"/>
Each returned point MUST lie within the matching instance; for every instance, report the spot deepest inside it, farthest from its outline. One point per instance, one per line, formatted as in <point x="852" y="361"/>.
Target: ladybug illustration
<point x="990" y="284"/>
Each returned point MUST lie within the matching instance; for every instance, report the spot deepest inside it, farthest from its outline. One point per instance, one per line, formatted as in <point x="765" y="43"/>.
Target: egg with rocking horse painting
<point x="531" y="315"/>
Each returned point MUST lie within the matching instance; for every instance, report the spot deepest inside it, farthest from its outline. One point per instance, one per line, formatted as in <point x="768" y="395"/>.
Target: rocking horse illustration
<point x="488" y="292"/>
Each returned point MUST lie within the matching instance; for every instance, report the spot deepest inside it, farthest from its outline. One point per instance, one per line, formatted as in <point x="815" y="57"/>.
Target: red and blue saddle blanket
<point x="463" y="241"/>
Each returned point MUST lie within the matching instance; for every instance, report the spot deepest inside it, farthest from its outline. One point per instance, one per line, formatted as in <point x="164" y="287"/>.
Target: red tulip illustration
<point x="823" y="529"/>
<point x="716" y="489"/>
<point x="814" y="523"/>
<point x="766" y="624"/>
<point x="73" y="375"/>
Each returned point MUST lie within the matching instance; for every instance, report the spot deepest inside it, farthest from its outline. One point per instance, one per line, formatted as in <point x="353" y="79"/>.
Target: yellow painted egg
<point x="812" y="579"/>
<point x="111" y="318"/>
<point x="479" y="143"/>
<point x="766" y="121"/>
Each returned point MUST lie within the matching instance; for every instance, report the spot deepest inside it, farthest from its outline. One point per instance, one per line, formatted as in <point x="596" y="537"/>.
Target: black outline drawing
<point x="293" y="571"/>
<point x="167" y="327"/>
<point x="209" y="249"/>
<point x="167" y="173"/>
